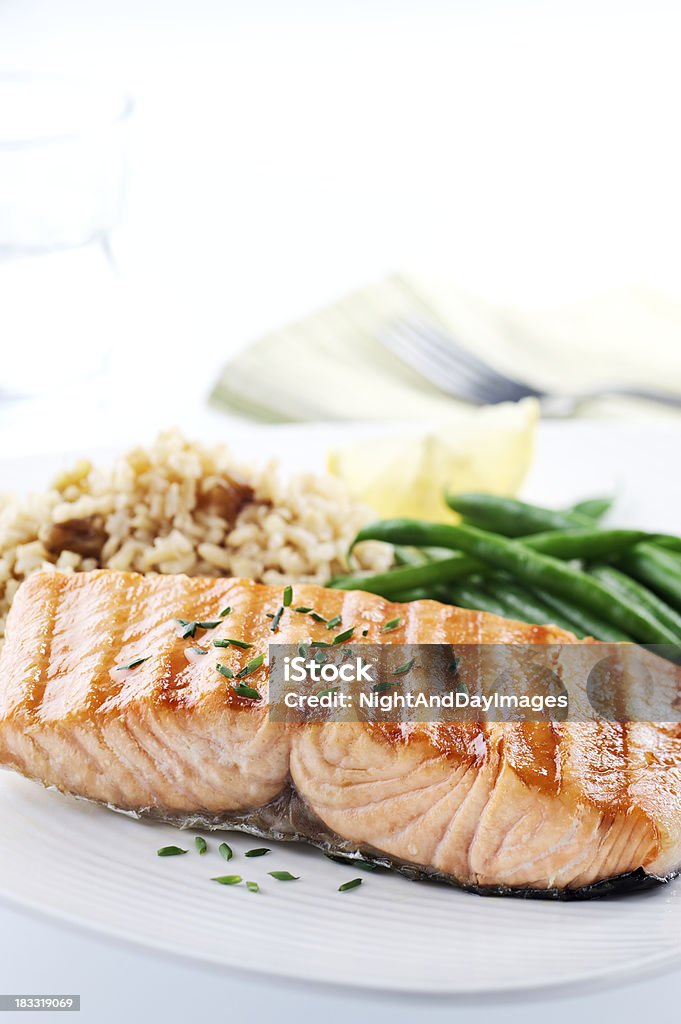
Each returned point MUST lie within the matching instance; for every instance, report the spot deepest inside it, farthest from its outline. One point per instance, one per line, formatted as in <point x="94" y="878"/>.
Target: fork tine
<point x="454" y="369"/>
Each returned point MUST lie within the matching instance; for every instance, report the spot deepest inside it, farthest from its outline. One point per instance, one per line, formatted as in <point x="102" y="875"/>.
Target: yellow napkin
<point x="330" y="365"/>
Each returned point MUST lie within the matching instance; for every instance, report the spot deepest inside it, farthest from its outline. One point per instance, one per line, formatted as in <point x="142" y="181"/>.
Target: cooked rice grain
<point x="166" y="509"/>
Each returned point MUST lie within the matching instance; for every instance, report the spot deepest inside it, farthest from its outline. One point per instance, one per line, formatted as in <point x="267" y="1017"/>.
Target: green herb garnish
<point x="389" y="626"/>
<point x="335" y="621"/>
<point x="363" y="865"/>
<point x="404" y="668"/>
<point x="227" y="879"/>
<point x="170" y="851"/>
<point x="225" y="611"/>
<point x="331" y="689"/>
<point x="252" y="666"/>
<point x="190" y="628"/>
<point x="199" y="650"/>
<point x="221" y="643"/>
<point x="303" y="650"/>
<point x="381" y="687"/>
<point x="453" y="666"/>
<point x="302" y="611"/>
<point x="342" y="637"/>
<point x="277" y="618"/>
<point x="225" y="850"/>
<point x="320" y="657"/>
<point x="259" y="851"/>
<point x="246" y="691"/>
<point x="365" y="632"/>
<point x="284" y="876"/>
<point x="352" y="884"/>
<point x="134" y="663"/>
<point x="317" y="618"/>
<point x="201" y="844"/>
<point x="241" y="644"/>
<point x="225" y="671"/>
<point x="252" y="886"/>
<point x="288" y="596"/>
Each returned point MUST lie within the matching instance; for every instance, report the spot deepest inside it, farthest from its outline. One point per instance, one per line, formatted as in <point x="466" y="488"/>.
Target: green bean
<point x="531" y="567"/>
<point x="396" y="581"/>
<point x="415" y="594"/>
<point x="659" y="568"/>
<point x="619" y="583"/>
<point x="511" y="517"/>
<point x="593" y="508"/>
<point x="568" y="544"/>
<point x="525" y="605"/>
<point x="587" y="542"/>
<point x="409" y="556"/>
<point x="585" y="623"/>
<point x="471" y="595"/>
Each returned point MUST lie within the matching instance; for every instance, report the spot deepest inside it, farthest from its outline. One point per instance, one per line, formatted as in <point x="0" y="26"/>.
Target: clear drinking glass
<point x="62" y="183"/>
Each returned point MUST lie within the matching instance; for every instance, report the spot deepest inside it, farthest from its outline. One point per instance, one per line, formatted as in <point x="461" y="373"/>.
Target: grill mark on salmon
<point x="544" y="807"/>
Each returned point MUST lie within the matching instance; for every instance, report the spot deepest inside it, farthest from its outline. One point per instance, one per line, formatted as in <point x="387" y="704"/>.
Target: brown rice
<point x="152" y="512"/>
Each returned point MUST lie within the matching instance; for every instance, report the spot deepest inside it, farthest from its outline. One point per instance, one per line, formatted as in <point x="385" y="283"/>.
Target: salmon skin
<point x="110" y="690"/>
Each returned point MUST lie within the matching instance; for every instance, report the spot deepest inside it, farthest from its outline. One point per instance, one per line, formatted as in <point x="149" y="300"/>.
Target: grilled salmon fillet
<point x="101" y="696"/>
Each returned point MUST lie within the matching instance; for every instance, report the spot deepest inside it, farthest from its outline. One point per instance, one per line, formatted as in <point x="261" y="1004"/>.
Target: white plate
<point x="99" y="869"/>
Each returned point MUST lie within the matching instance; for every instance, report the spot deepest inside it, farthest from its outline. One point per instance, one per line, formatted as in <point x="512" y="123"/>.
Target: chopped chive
<point x="276" y="619"/>
<point x="170" y="851"/>
<point x="321" y="643"/>
<point x="221" y="643"/>
<point x="189" y="628"/>
<point x="134" y="663"/>
<point x="269" y="615"/>
<point x="199" y="650"/>
<point x="404" y="668"/>
<point x="302" y="611"/>
<point x="363" y="865"/>
<point x="381" y="687"/>
<point x="317" y="618"/>
<point x="227" y="879"/>
<point x="288" y="596"/>
<point x="225" y="850"/>
<point x="252" y="666"/>
<point x="246" y="691"/>
<point x="284" y="876"/>
<point x="225" y="671"/>
<point x="462" y="688"/>
<point x="201" y="844"/>
<point x="365" y="632"/>
<point x="252" y="886"/>
<point x="331" y="689"/>
<point x="342" y="637"/>
<point x="453" y="666"/>
<point x="303" y="650"/>
<point x="225" y="611"/>
<point x="352" y="884"/>
<point x="335" y="621"/>
<point x="389" y="626"/>
<point x="320" y="658"/>
<point x="259" y="851"/>
<point x="241" y="644"/>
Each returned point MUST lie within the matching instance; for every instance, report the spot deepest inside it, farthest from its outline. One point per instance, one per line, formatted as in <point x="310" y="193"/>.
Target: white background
<point x="283" y="152"/>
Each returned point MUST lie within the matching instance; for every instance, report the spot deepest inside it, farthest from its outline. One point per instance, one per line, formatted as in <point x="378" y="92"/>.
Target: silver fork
<point x="438" y="357"/>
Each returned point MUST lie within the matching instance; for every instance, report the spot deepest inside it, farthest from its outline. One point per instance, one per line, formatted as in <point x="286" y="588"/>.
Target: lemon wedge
<point x="488" y="449"/>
